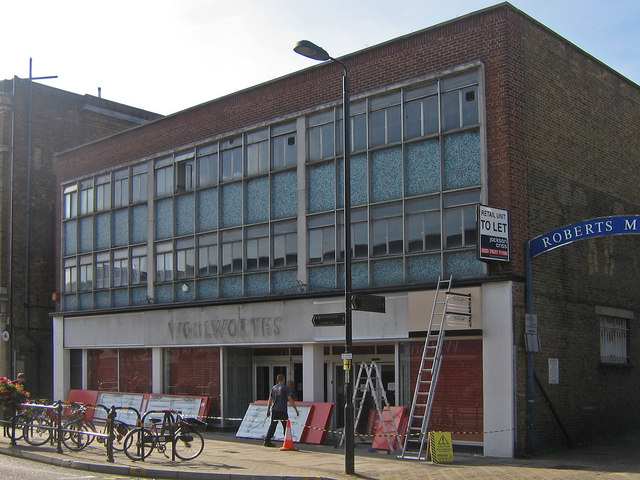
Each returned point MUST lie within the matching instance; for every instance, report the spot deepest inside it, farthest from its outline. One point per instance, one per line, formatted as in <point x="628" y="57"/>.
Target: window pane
<point x="379" y="238"/>
<point x="393" y="124"/>
<point x="315" y="246"/>
<point x="377" y="128"/>
<point x="139" y="187"/>
<point x="413" y="119"/>
<point x="208" y="170"/>
<point x="358" y="133"/>
<point x="451" y="110"/>
<point x="470" y="106"/>
<point x="360" y="240"/>
<point x="453" y="228"/>
<point x="328" y="244"/>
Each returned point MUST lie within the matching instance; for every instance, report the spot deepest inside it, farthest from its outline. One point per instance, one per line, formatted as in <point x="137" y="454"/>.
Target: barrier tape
<point x="339" y="432"/>
<point x="310" y="427"/>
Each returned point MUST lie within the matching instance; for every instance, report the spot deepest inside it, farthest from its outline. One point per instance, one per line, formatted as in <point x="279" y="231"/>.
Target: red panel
<point x="318" y="423"/>
<point x="400" y="419"/>
<point x="135" y="370"/>
<point x="103" y="370"/>
<point x="458" y="403"/>
<point x="196" y="371"/>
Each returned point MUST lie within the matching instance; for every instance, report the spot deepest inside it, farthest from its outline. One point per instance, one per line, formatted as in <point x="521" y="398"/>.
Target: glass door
<point x="266" y="378"/>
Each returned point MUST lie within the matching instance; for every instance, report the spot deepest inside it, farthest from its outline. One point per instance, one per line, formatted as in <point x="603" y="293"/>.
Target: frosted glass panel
<point x="182" y="296"/>
<point x="70" y="303"/>
<point x="284" y="282"/>
<point x="120" y="297"/>
<point x="322" y="278"/>
<point x="256" y="285"/>
<point x="120" y="227"/>
<point x="231" y="287"/>
<point x="185" y="214"/>
<point x="257" y="201"/>
<point x="164" y="293"/>
<point x="86" y="301"/>
<point x="164" y="218"/>
<point x="139" y="296"/>
<point x="139" y="224"/>
<point x="423" y="269"/>
<point x="232" y="205"/>
<point x="207" y="289"/>
<point x="70" y="237"/>
<point x="103" y="231"/>
<point x="461" y="264"/>
<point x="208" y="210"/>
<point x="386" y="174"/>
<point x="86" y="234"/>
<point x="387" y="272"/>
<point x="285" y="195"/>
<point x="102" y="299"/>
<point x="423" y="168"/>
<point x="359" y="276"/>
<point x="321" y="187"/>
<point x="359" y="180"/>
<point x="461" y="160"/>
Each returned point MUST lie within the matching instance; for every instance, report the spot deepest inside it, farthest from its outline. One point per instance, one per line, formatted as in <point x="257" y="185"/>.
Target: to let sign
<point x="493" y="234"/>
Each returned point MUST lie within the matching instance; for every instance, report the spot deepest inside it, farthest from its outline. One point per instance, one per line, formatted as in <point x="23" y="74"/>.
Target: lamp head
<point x="311" y="50"/>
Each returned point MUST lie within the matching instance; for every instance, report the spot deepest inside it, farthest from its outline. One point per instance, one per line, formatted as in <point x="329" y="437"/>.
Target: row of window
<point x="390" y="229"/>
<point x="432" y="109"/>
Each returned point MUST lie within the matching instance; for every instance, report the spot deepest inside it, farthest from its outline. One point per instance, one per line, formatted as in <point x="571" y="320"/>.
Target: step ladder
<point x="369" y="381"/>
<point x="448" y="308"/>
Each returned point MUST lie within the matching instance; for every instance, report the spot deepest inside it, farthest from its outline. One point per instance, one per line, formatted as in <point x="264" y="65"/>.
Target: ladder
<point x="370" y="381"/>
<point x="446" y="305"/>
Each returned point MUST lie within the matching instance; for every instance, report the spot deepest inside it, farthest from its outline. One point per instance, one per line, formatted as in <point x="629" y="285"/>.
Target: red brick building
<point x="223" y="235"/>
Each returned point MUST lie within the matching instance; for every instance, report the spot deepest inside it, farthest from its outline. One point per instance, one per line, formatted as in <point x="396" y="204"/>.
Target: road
<point x="12" y="468"/>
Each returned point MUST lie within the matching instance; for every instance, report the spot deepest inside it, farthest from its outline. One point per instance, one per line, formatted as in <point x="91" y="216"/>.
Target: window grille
<point x="613" y="340"/>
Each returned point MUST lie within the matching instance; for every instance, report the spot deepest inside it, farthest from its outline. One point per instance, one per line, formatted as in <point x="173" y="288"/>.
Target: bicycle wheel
<point x="188" y="445"/>
<point x="139" y="443"/>
<point x="120" y="430"/>
<point x="37" y="431"/>
<point x="74" y="435"/>
<point x="15" y="428"/>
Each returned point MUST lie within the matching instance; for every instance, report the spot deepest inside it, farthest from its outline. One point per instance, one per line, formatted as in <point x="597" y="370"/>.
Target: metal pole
<point x="348" y="387"/>
<point x="530" y="371"/>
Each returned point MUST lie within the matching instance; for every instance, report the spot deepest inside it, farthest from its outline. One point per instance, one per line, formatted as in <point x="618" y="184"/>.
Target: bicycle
<point x="186" y="442"/>
<point x="80" y="431"/>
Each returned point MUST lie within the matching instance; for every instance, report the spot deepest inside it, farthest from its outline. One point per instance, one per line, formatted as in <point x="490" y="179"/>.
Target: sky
<point x="169" y="55"/>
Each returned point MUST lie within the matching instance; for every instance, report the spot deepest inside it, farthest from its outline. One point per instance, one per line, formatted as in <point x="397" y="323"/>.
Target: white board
<point x="109" y="399"/>
<point x="188" y="407"/>
<point x="255" y="422"/>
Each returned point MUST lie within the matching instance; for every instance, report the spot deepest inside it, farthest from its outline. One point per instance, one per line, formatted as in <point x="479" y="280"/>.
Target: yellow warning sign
<point x="441" y="447"/>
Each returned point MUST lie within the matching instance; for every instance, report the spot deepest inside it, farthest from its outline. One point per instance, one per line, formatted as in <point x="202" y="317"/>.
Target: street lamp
<point x="311" y="50"/>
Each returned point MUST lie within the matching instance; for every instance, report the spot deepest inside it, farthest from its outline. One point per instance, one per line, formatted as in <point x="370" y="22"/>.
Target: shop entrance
<point x="268" y="363"/>
<point x="335" y="386"/>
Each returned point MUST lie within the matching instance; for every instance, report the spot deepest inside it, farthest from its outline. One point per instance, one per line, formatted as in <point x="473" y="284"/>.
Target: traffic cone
<point x="288" y="438"/>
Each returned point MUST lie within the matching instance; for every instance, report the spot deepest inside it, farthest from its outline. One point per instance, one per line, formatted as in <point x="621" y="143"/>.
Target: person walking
<point x="279" y="396"/>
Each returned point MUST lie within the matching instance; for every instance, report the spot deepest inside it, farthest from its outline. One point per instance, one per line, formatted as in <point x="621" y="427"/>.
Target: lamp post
<point x="310" y="50"/>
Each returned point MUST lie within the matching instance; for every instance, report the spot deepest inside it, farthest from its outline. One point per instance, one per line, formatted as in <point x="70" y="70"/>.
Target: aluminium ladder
<point x="456" y="309"/>
<point x="370" y="381"/>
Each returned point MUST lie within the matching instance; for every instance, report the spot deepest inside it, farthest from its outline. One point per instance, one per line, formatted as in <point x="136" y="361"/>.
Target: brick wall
<point x="59" y="120"/>
<point x="581" y="137"/>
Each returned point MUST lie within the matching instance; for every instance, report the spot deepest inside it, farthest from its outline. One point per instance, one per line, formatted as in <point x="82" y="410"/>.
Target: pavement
<point x="226" y="457"/>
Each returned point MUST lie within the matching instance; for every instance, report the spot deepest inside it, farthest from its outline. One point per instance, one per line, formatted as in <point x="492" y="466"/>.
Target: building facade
<point x="37" y="121"/>
<point x="194" y="250"/>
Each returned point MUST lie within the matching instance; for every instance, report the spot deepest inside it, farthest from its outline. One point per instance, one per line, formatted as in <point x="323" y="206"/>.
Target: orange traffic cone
<point x="288" y="438"/>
